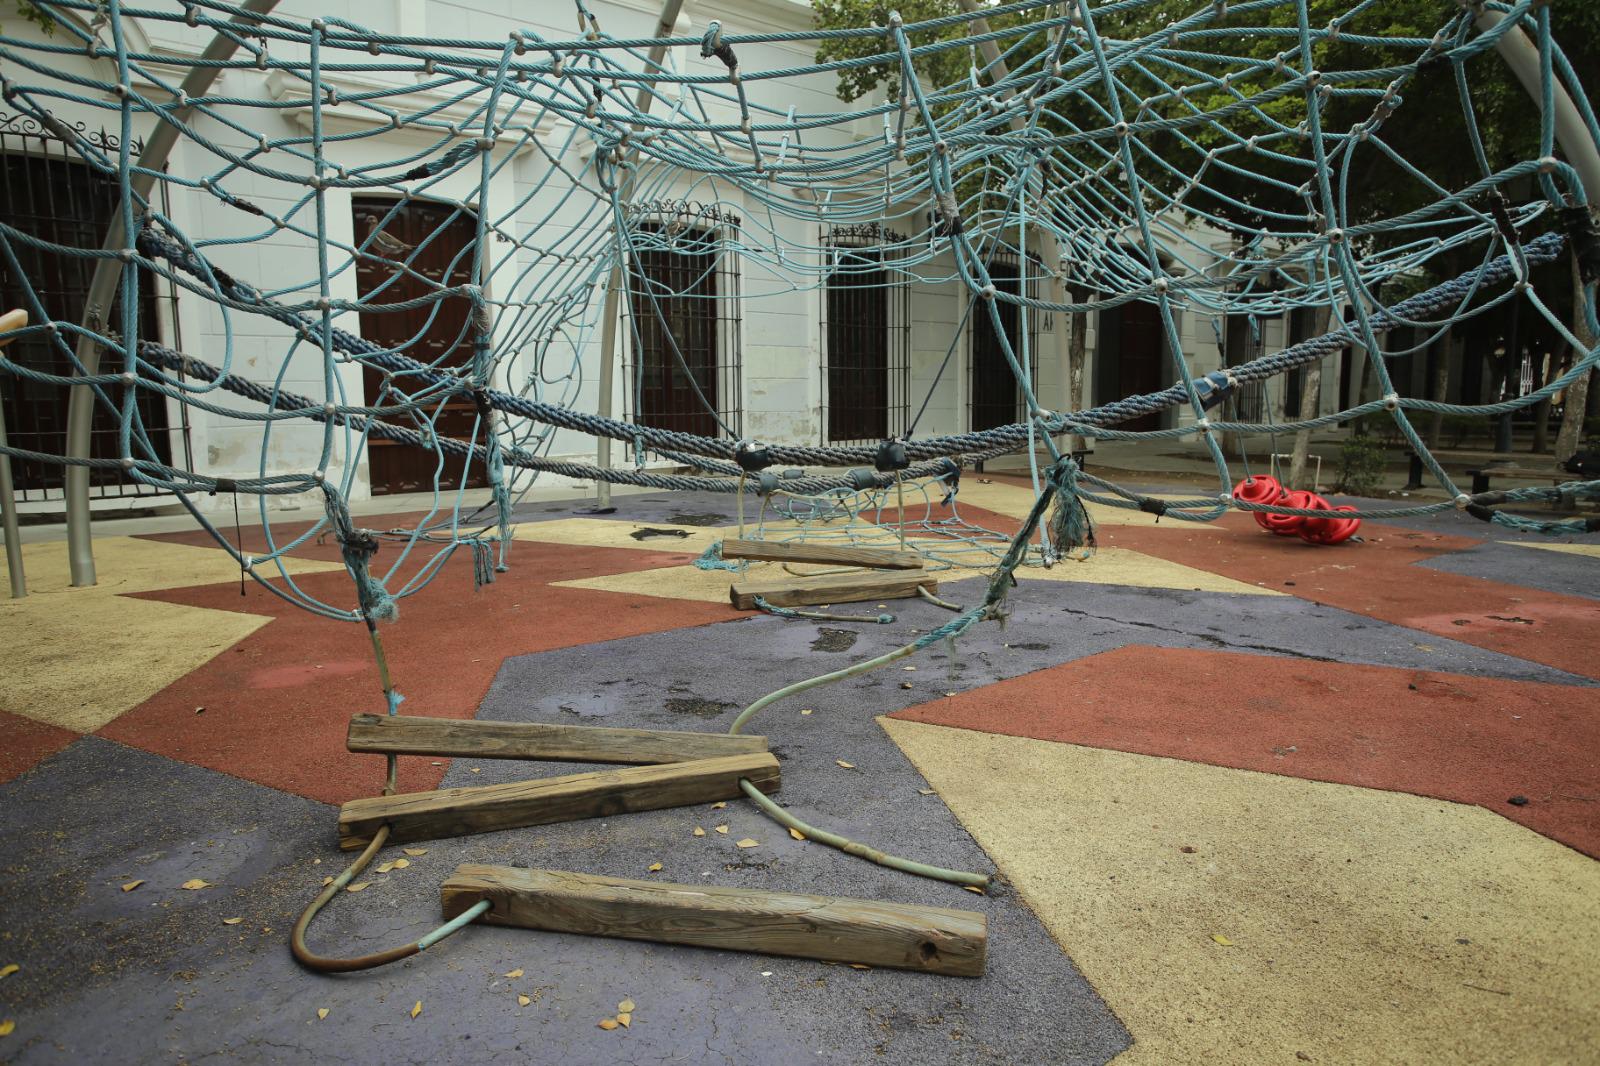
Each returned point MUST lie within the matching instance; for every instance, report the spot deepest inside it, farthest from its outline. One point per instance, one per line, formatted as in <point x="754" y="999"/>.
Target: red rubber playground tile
<point x="1468" y="739"/>
<point x="24" y="743"/>
<point x="276" y="705"/>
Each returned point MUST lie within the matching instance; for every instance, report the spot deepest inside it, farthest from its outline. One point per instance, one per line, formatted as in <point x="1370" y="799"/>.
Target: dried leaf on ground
<point x="131" y="885"/>
<point x="523" y="1001"/>
<point x="654" y="867"/>
<point x="699" y="832"/>
<point x="414" y="852"/>
<point x="806" y="711"/>
<point x="8" y="969"/>
<point x="417" y="1009"/>
<point x="625" y="1019"/>
<point x="625" y="1007"/>
<point x="7" y="1027"/>
<point x="513" y="973"/>
<point x="719" y="805"/>
<point x="926" y="791"/>
<point x="232" y="921"/>
<point x="358" y="886"/>
<point x="608" y="1023"/>
<point x="385" y="867"/>
<point x="973" y="888"/>
<point x="859" y="966"/>
<point x="1224" y="941"/>
<point x="796" y="834"/>
<point x="722" y="829"/>
<point x="401" y="864"/>
<point x="477" y="770"/>
<point x="846" y="765"/>
<point x="747" y="843"/>
<point x="195" y="883"/>
<point x="326" y="881"/>
<point x="322" y="1012"/>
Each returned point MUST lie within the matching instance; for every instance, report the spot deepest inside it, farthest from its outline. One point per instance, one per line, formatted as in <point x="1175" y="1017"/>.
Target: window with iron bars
<point x="49" y="194"/>
<point x="866" y="326"/>
<point x="993" y="396"/>
<point x="683" y="329"/>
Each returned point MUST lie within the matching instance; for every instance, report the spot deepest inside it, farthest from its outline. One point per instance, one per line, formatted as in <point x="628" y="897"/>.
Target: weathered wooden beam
<point x="602" y="793"/>
<point x="802" y="552"/>
<point x="402" y="735"/>
<point x="840" y="588"/>
<point x="931" y="939"/>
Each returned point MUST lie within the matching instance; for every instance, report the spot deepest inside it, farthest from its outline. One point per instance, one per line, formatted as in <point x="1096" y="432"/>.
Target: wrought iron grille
<point x="866" y="328"/>
<point x="683" y="309"/>
<point x="993" y="398"/>
<point x="1243" y="344"/>
<point x="49" y="194"/>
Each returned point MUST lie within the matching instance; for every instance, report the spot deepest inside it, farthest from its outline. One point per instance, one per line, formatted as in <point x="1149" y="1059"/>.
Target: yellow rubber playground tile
<point x="1236" y="917"/>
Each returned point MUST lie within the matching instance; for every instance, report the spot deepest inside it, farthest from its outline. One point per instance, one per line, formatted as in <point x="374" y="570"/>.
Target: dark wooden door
<point x="440" y="340"/>
<point x="673" y="300"/>
<point x="1141" y="357"/>
<point x="994" y="386"/>
<point x="858" y="349"/>
<point x="63" y="202"/>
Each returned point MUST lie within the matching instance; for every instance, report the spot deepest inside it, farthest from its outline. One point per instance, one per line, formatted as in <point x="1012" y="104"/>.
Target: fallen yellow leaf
<point x="625" y="1019"/>
<point x="973" y="888"/>
<point x="326" y="881"/>
<point x="414" y="852"/>
<point x="417" y="1009"/>
<point x="625" y="1007"/>
<point x="514" y="973"/>
<point x="719" y="805"/>
<point x="7" y="1026"/>
<point x="796" y="834"/>
<point x="384" y="867"/>
<point x="926" y="791"/>
<point x="722" y="829"/>
<point x="232" y="921"/>
<point x="859" y="966"/>
<point x="1224" y="941"/>
<point x="8" y="969"/>
<point x="401" y="864"/>
<point x="195" y="883"/>
<point x="806" y="711"/>
<point x="846" y="765"/>
<point x="747" y="843"/>
<point x="699" y="832"/>
<point x="654" y="867"/>
<point x="359" y="886"/>
<point x="608" y="1023"/>
<point x="322" y="1012"/>
<point x="131" y="885"/>
<point x="476" y="770"/>
<point x="523" y="1001"/>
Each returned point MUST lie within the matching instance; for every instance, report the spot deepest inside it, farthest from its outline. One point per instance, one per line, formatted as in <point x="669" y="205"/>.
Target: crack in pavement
<point x="1213" y="640"/>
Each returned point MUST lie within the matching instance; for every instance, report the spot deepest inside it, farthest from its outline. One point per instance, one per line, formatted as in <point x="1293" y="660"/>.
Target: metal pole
<point x="8" y="499"/>
<point x="608" y="326"/>
<point x="103" y="289"/>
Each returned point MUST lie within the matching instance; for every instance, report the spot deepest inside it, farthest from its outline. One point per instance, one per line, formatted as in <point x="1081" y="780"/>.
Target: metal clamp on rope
<point x="1213" y="388"/>
<point x="766" y="483"/>
<point x="793" y="473"/>
<point x="224" y="484"/>
<point x="713" y="45"/>
<point x="752" y="456"/>
<point x="861" y="478"/>
<point x="950" y="474"/>
<point x="891" y="456"/>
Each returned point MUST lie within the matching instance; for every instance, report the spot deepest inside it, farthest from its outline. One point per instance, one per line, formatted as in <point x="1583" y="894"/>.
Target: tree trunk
<point x="1441" y="388"/>
<point x="1575" y="402"/>
<point x="1310" y="393"/>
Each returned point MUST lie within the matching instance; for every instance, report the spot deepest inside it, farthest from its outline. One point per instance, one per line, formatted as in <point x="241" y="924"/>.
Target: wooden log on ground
<point x="838" y="588"/>
<point x="599" y="794"/>
<point x="931" y="939"/>
<point x="802" y="552"/>
<point x="402" y="735"/>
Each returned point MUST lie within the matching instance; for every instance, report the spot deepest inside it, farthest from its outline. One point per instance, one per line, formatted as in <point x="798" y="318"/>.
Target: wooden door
<point x="436" y="334"/>
<point x="994" y="385"/>
<point x="673" y="302"/>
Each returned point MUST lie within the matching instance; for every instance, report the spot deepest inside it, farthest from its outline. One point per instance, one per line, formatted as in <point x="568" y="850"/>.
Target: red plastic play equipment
<point x="1312" y="530"/>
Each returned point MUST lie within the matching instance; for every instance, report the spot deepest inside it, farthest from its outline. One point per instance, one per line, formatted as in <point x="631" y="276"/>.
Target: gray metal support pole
<point x="103" y="290"/>
<point x="9" y="321"/>
<point x="608" y="326"/>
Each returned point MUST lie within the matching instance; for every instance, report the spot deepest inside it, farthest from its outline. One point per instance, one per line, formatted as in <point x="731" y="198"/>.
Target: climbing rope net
<point x="1211" y="160"/>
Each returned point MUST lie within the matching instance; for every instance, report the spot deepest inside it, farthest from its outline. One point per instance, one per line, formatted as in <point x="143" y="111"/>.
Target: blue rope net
<point x="1207" y="159"/>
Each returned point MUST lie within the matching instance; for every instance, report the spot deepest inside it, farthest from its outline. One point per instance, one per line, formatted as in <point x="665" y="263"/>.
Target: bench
<point x="1482" y="476"/>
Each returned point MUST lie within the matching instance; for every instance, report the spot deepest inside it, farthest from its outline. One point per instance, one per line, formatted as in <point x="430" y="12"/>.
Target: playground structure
<point x="664" y="148"/>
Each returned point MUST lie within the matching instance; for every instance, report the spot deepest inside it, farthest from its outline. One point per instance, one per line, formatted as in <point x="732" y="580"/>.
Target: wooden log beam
<point x="800" y="552"/>
<point x="600" y="794"/>
<point x="402" y="735"/>
<point x="931" y="939"/>
<point x="839" y="588"/>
